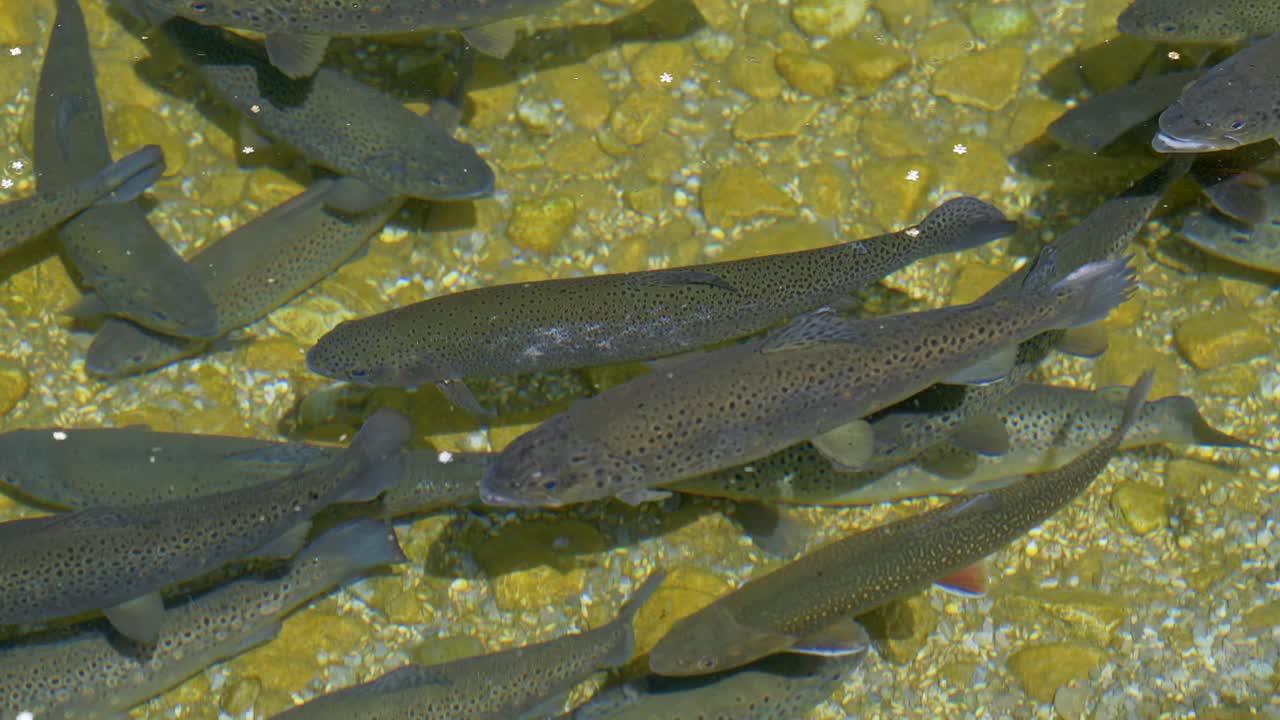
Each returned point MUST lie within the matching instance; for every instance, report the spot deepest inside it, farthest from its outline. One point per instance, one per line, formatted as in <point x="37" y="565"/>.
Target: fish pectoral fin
<point x="984" y="434"/>
<point x="638" y="496"/>
<point x="969" y="582"/>
<point x="287" y="544"/>
<point x="950" y="465"/>
<point x="352" y="196"/>
<point x="987" y="371"/>
<point x="297" y="56"/>
<point x="138" y="619"/>
<point x="843" y="637"/>
<point x="849" y="446"/>
<point x="457" y="392"/>
<point x="495" y="39"/>
<point x="1087" y="341"/>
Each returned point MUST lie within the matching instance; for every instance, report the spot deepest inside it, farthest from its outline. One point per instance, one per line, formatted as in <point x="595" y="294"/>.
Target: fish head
<point x="553" y="466"/>
<point x="710" y="641"/>
<point x="365" y="353"/>
<point x="445" y="170"/>
<point x="1196" y="125"/>
<point x="1172" y="20"/>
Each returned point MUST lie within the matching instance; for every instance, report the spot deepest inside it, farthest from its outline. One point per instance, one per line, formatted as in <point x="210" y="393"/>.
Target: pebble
<point x="1090" y="615"/>
<point x="306" y="320"/>
<point x="891" y="137"/>
<point x="1042" y="669"/>
<point x="535" y="563"/>
<point x="640" y="116"/>
<point x="825" y="190"/>
<point x="741" y="192"/>
<point x="994" y="23"/>
<point x="986" y="80"/>
<point x="541" y="225"/>
<point x="773" y="119"/>
<point x="944" y="42"/>
<point x="240" y="694"/>
<point x="577" y="153"/>
<point x="446" y="649"/>
<point x="1220" y="336"/>
<point x="537" y="116"/>
<point x="583" y="93"/>
<point x="766" y="21"/>
<point x="1262" y="617"/>
<point x="662" y="158"/>
<point x="828" y="18"/>
<point x="806" y="72"/>
<point x="667" y="58"/>
<point x="721" y="15"/>
<point x="904" y="627"/>
<point x="902" y="16"/>
<point x="751" y="70"/>
<point x="1143" y="508"/>
<point x="13" y="385"/>
<point x="865" y="65"/>
<point x="895" y="190"/>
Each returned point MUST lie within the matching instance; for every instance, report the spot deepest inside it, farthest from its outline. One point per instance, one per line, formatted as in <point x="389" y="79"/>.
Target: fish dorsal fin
<point x="287" y="544"/>
<point x="824" y="325"/>
<point x="990" y="369"/>
<point x="984" y="433"/>
<point x="843" y="637"/>
<point x="138" y="619"/>
<point x="970" y="581"/>
<point x="495" y="39"/>
<point x="1087" y="341"/>
<point x="297" y="56"/>
<point x="849" y="447"/>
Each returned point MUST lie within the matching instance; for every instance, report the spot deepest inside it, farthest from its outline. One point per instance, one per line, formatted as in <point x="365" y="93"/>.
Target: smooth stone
<point x="865" y="65"/>
<point x="1262" y="617"/>
<point x="583" y="92"/>
<point x="807" y="73"/>
<point x="19" y="25"/>
<point x="13" y="385"/>
<point x="1143" y="508"/>
<point x="640" y="116"/>
<point x="537" y="116"/>
<point x="741" y="192"/>
<point x="492" y="94"/>
<point x="721" y="15"/>
<point x="902" y="16"/>
<point x="132" y="126"/>
<point x="785" y="236"/>
<point x="1087" y="614"/>
<point x="988" y="80"/>
<point x="751" y="70"/>
<point x="1220" y="336"/>
<point x="540" y="226"/>
<point x="773" y="119"/>
<point x="994" y="23"/>
<point x="577" y="153"/>
<point x="894" y="196"/>
<point x="944" y="42"/>
<point x="446" y="649"/>
<point x="891" y="137"/>
<point x="825" y="190"/>
<point x="1042" y="669"/>
<point x="663" y="157"/>
<point x="669" y="58"/>
<point x="904" y="625"/>
<point x="766" y="21"/>
<point x="307" y="319"/>
<point x="1031" y="117"/>
<point x="828" y="18"/>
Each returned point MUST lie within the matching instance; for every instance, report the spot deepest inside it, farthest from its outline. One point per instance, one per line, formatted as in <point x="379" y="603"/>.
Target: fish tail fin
<point x="379" y="444"/>
<point x="1133" y="404"/>
<point x="627" y="615"/>
<point x="964" y="223"/>
<point x="1095" y="290"/>
<point x="1181" y="422"/>
<point x="355" y="546"/>
<point x="129" y="176"/>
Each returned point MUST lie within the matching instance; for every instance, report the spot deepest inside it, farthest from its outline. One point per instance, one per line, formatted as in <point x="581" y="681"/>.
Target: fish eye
<point x="1237" y="125"/>
<point x="550" y="485"/>
<point x="1167" y="27"/>
<point x="200" y="7"/>
<point x="358" y="374"/>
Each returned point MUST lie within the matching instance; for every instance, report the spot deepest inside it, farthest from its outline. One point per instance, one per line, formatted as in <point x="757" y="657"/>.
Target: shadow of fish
<point x="807" y="606"/>
<point x="111" y="247"/>
<point x="93" y="674"/>
<point x="118" y="559"/>
<point x="1221" y="21"/>
<point x="487" y="687"/>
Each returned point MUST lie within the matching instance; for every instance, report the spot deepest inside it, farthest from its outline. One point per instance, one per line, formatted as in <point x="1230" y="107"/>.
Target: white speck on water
<point x="1175" y="55"/>
<point x="255" y="109"/>
<point x="17" y="165"/>
<point x="247" y="150"/>
<point x="909" y="232"/>
<point x="26" y="715"/>
<point x="444" y="457"/>
<point x="15" y="51"/>
<point x="913" y="175"/>
<point x="665" y="78"/>
<point x="6" y="183"/>
<point x="959" y="149"/>
<point x="59" y="435"/>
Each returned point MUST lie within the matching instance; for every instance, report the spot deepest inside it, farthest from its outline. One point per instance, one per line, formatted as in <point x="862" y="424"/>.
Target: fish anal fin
<point x="287" y="544"/>
<point x="985" y="434"/>
<point x="849" y="446"/>
<point x="495" y="39"/>
<point x="843" y="637"/>
<point x="990" y="369"/>
<point x="1087" y="341"/>
<point x="138" y="619"/>
<point x="968" y="582"/>
<point x="297" y="56"/>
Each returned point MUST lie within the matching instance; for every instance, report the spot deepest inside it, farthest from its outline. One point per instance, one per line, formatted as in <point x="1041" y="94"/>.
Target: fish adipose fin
<point x="849" y="446"/>
<point x="843" y="637"/>
<point x="138" y="619"/>
<point x="297" y="56"/>
<point x="969" y="582"/>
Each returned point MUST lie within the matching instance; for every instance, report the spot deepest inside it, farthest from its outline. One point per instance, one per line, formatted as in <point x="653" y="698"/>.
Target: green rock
<point x="583" y="92"/>
<point x="640" y="116"/>
<point x="1220" y="336"/>
<point x="751" y="70"/>
<point x="944" y="42"/>
<point x="766" y="21"/>
<point x="824" y="189"/>
<point x="741" y="192"/>
<point x="986" y="80"/>
<point x="806" y="73"/>
<point x="540" y="226"/>
<point x="828" y="18"/>
<point x="659" y="59"/>
<point x="1042" y="669"/>
<point x="994" y="23"/>
<point x="1144" y="508"/>
<point x="773" y="119"/>
<point x="865" y="65"/>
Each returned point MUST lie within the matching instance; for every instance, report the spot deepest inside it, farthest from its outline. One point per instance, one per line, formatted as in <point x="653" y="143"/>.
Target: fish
<point x="782" y="687"/>
<point x="122" y="181"/>
<point x="1211" y="21"/>
<point x="118" y="559"/>
<point x="110" y="248"/>
<point x="579" y="322"/>
<point x="1256" y="247"/>
<point x="251" y="272"/>
<point x="335" y="121"/>
<point x="91" y="673"/>
<point x="811" y="380"/>
<point x="808" y="605"/>
<point x="1047" y="427"/>
<point x="1102" y="119"/>
<point x="1231" y="105"/>
<point x="297" y="33"/>
<point x="904" y="430"/>
<point x="81" y="468"/>
<point x="497" y="685"/>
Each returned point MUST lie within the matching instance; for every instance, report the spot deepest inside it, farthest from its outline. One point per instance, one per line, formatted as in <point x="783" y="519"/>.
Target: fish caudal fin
<point x="128" y="177"/>
<point x="1183" y="423"/>
<point x="1097" y="288"/>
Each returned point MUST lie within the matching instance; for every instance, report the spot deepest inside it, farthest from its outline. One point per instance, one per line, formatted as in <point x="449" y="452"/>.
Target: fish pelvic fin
<point x="129" y="176"/>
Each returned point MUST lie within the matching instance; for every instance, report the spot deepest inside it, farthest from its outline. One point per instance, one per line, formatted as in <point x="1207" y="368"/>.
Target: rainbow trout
<point x="297" y="32"/>
<point x="782" y="687"/>
<point x="808" y="606"/>
<point x="580" y="322"/>
<point x="118" y="559"/>
<point x="819" y="374"/>
<point x="487" y="687"/>
<point x="1047" y="427"/>
<point x="93" y="674"/>
<point x="1231" y="105"/>
<point x="1221" y="21"/>
<point x="336" y="121"/>
<point x="122" y="181"/>
<point x="111" y="248"/>
<point x="251" y="272"/>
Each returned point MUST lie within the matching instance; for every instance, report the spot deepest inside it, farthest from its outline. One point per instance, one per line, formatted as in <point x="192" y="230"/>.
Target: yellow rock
<point x="443" y="650"/>
<point x="944" y="42"/>
<point x="663" y="157"/>
<point x="195" y="693"/>
<point x="904" y="15"/>
<point x="997" y="22"/>
<point x="1089" y="614"/>
<point x="1030" y="118"/>
<point x="980" y="169"/>
<point x="658" y="59"/>
<point x="402" y="605"/>
<point x="1220" y="336"/>
<point x="905" y="625"/>
<point x="987" y="80"/>
<point x="307" y="319"/>
<point x="541" y="226"/>
<point x="865" y="65"/>
<point x="892" y="137"/>
<point x="584" y="93"/>
<point x="1262" y="617"/>
<point x="494" y="94"/>
<point x="806" y="73"/>
<point x="13" y="385"/>
<point x="685" y="591"/>
<point x="224" y="189"/>
<point x="766" y="21"/>
<point x="275" y="354"/>
<point x="640" y="116"/>
<point x="828" y="18"/>
<point x="19" y="26"/>
<point x="132" y="126"/>
<point x="751" y="69"/>
<point x="1144" y="508"/>
<point x="773" y="119"/>
<point x="741" y="192"/>
<point x="973" y="281"/>
<point x="536" y="563"/>
<point x="239" y="695"/>
<point x="1127" y="357"/>
<point x="648" y="200"/>
<point x="824" y="189"/>
<point x="1042" y="669"/>
<point x="576" y="153"/>
<point x="1238" y="380"/>
<point x="959" y="673"/>
<point x="894" y="189"/>
<point x="719" y="14"/>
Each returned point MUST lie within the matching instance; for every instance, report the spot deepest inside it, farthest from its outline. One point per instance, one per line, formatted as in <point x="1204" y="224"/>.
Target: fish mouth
<point x="493" y="497"/>
<point x="1166" y="143"/>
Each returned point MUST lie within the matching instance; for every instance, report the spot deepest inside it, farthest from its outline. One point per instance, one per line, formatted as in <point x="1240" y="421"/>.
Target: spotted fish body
<point x="117" y="558"/>
<point x="784" y="687"/>
<point x="906" y="429"/>
<point x="1256" y="247"/>
<point x="335" y="121"/>
<point x="579" y="322"/>
<point x="1048" y="427"/>
<point x="486" y="687"/>
<point x="1221" y="21"/>
<point x="249" y="273"/>
<point x="348" y="18"/>
<point x="792" y="607"/>
<point x="741" y="403"/>
<point x="92" y="674"/>
<point x="111" y="247"/>
<point x="1235" y="103"/>
<point x="22" y="220"/>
